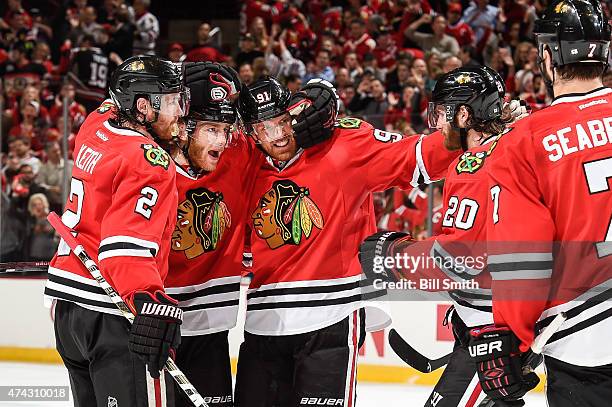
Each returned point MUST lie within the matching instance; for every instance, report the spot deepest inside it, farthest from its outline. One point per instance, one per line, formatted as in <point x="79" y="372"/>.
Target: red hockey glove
<point x="156" y="331"/>
<point x="376" y="248"/>
<point x="314" y="109"/>
<point x="505" y="373"/>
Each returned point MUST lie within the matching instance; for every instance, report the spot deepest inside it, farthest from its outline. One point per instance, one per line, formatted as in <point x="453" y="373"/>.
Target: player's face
<point x="264" y="223"/>
<point x="436" y="115"/>
<point x="208" y="143"/>
<point x="276" y="137"/>
<point x="170" y="108"/>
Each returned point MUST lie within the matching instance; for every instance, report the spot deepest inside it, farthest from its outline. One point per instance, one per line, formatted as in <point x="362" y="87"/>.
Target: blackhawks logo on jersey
<point x="471" y="162"/>
<point x="202" y="219"/>
<point x="349" y="123"/>
<point x="105" y="107"/>
<point x="285" y="214"/>
<point x="156" y="156"/>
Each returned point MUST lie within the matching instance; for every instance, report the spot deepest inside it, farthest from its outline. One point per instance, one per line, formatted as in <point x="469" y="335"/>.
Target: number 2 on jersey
<point x="70" y="218"/>
<point x="597" y="174"/>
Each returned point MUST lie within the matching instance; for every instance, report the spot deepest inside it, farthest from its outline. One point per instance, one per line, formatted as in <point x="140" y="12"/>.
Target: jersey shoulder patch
<point x="349" y="123"/>
<point x="156" y="156"/>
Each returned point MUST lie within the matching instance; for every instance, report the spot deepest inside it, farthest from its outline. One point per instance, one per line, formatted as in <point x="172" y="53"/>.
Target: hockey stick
<point x="425" y="365"/>
<point x="90" y="265"/>
<point x="412" y="357"/>
<point x="23" y="266"/>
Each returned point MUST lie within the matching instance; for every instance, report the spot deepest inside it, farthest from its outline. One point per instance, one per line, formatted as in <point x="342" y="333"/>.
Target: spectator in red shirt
<point x="386" y="49"/>
<point x="32" y="126"/>
<point x="175" y="52"/>
<point x="204" y="50"/>
<point x="359" y="40"/>
<point x="462" y="32"/>
<point x="76" y="111"/>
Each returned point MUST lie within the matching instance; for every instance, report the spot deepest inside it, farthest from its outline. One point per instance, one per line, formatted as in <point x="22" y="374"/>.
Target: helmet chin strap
<point x="548" y="81"/>
<point x="463" y="133"/>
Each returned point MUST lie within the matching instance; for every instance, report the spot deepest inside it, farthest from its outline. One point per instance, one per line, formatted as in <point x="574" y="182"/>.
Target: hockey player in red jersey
<point x="214" y="183"/>
<point x="550" y="226"/>
<point x="122" y="208"/>
<point x="310" y="209"/>
<point x="469" y="99"/>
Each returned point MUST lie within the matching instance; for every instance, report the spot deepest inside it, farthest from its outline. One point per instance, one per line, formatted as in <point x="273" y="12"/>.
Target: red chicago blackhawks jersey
<point x="454" y="260"/>
<point x="551" y="227"/>
<point x="122" y="206"/>
<point x="207" y="245"/>
<point x="309" y="218"/>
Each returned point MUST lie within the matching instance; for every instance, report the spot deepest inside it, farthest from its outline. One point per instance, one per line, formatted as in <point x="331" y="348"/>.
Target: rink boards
<point x="27" y="334"/>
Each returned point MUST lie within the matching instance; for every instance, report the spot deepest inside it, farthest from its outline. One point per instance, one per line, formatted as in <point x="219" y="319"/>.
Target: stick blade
<point x="412" y="357"/>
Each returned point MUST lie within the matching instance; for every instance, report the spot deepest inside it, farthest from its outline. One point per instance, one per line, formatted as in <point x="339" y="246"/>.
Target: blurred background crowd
<point x="383" y="56"/>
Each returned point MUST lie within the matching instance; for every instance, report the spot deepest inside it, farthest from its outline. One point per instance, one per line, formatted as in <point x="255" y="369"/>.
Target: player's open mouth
<point x="281" y="143"/>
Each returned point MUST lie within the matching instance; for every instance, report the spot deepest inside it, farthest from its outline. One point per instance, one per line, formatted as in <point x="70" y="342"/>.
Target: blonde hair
<point x="34" y="197"/>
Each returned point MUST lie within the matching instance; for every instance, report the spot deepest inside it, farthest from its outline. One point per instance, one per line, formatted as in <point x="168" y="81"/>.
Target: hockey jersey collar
<point x="123" y="131"/>
<point x="284" y="164"/>
<point x="576" y="97"/>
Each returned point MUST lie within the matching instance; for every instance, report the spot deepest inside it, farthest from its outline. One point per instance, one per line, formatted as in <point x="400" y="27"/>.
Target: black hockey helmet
<point x="480" y="88"/>
<point x="150" y="77"/>
<point x="265" y="99"/>
<point x="574" y="31"/>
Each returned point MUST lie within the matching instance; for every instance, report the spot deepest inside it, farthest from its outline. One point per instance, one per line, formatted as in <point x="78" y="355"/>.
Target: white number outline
<point x="454" y="205"/>
<point x="495" y="191"/>
<point x="69" y="218"/>
<point x="145" y="204"/>
<point x="597" y="182"/>
<point x="592" y="48"/>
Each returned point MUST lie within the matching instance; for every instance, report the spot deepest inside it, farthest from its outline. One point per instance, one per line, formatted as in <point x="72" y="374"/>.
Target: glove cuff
<point x="157" y="304"/>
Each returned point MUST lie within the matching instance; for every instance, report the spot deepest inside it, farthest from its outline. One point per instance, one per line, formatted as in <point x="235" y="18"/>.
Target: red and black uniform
<point x="459" y="250"/>
<point x="206" y="265"/>
<point x="122" y="206"/>
<point x="550" y="235"/>
<point x="303" y="324"/>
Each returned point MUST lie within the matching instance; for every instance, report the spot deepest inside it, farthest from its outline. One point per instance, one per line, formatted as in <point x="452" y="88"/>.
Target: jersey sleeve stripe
<point x="420" y="165"/>
<point x="454" y="271"/>
<point x="123" y="252"/>
<point x="129" y="239"/>
<point x="521" y="274"/>
<point x="518" y="257"/>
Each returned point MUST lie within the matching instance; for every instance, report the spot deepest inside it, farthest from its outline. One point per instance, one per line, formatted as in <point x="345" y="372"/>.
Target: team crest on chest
<point x="285" y="214"/>
<point x="202" y="219"/>
<point x="156" y="156"/>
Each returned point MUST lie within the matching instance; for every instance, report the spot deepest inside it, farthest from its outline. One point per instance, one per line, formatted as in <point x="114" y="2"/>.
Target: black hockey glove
<point x="505" y="373"/>
<point x="210" y="81"/>
<point x="376" y="248"/>
<point x="156" y="331"/>
<point x="314" y="109"/>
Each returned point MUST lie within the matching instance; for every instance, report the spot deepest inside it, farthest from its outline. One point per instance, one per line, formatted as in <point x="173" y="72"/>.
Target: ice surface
<point x="368" y="394"/>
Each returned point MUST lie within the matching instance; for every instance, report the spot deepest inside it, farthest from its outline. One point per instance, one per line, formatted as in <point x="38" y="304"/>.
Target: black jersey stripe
<point x="319" y="289"/>
<point x="316" y="303"/>
<point x="219" y="304"/>
<point x="581" y="325"/>
<point x="125" y="245"/>
<point x="78" y="299"/>
<point x="75" y="284"/>
<point x="216" y="289"/>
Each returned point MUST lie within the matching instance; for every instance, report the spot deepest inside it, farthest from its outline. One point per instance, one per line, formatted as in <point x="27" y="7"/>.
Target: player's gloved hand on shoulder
<point x="156" y="331"/>
<point x="505" y="373"/>
<point x="516" y="109"/>
<point x="376" y="248"/>
<point x="210" y="81"/>
<point x="314" y="109"/>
